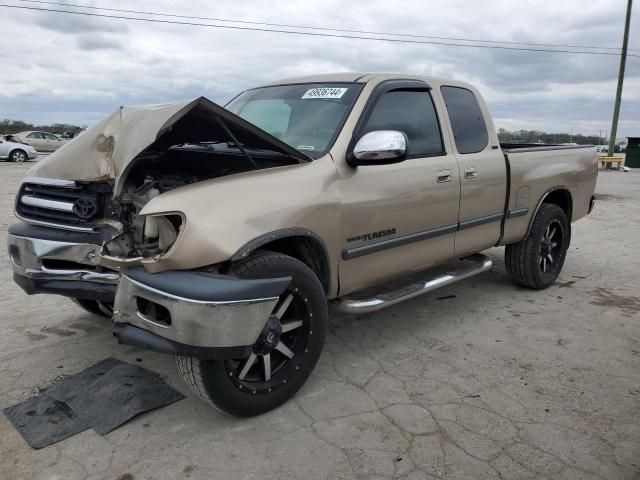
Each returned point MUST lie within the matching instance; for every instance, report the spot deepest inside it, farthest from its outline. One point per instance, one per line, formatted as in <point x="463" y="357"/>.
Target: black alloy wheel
<point x="276" y="355"/>
<point x="537" y="260"/>
<point x="285" y="352"/>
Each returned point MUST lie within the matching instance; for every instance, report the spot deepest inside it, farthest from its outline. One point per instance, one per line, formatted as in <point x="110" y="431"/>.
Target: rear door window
<point x="469" y="129"/>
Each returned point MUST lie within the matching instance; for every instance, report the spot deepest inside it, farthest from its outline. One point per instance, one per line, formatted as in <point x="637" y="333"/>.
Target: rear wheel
<point x="283" y="356"/>
<point x="536" y="261"/>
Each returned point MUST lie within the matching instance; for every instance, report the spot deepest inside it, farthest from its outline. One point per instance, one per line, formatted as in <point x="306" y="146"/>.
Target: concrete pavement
<point x="482" y="379"/>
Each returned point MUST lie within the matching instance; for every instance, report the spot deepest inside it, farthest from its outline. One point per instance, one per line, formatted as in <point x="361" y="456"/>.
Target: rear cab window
<point x="467" y="122"/>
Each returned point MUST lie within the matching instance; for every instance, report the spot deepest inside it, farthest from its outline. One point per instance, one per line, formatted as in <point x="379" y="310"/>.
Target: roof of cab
<point x="362" y="77"/>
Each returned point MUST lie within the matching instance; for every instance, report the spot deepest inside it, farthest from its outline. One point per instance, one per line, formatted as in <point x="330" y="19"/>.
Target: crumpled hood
<point x="104" y="151"/>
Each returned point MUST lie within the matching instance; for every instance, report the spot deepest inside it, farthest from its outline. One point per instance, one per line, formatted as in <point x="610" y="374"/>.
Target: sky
<point x="60" y="68"/>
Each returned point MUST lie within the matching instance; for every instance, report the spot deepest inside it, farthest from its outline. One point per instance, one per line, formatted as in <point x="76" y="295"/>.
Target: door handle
<point x="470" y="172"/>
<point x="444" y="176"/>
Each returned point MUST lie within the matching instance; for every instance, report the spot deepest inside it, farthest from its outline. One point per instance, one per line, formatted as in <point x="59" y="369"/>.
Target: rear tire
<point x="536" y="261"/>
<point x="271" y="375"/>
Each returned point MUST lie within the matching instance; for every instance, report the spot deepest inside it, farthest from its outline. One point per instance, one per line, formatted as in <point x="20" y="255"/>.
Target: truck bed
<point x="535" y="170"/>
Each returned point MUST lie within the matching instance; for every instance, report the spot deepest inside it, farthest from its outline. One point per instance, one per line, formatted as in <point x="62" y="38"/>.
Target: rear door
<point x="52" y="142"/>
<point x="402" y="217"/>
<point x="483" y="175"/>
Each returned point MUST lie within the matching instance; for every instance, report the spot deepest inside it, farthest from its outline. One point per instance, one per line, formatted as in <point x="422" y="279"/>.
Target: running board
<point x="377" y="298"/>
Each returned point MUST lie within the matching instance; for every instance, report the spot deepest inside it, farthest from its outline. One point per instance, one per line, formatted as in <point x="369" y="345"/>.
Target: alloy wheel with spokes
<point x="280" y="346"/>
<point x="285" y="352"/>
<point x="18" y="156"/>
<point x="550" y="247"/>
<point x="536" y="261"/>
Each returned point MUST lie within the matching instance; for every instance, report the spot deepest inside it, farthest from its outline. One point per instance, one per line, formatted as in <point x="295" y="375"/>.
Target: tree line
<point x="535" y="136"/>
<point x="518" y="136"/>
<point x="15" y="126"/>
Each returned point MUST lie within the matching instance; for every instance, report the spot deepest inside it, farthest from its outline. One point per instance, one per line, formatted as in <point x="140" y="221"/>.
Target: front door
<point x="37" y="141"/>
<point x="399" y="218"/>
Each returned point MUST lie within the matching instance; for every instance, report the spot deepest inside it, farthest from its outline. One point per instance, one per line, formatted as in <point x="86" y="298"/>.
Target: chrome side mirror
<point x="380" y="147"/>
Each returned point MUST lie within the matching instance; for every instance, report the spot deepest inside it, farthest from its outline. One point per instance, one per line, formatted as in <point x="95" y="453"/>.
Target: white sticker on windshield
<point x="324" y="92"/>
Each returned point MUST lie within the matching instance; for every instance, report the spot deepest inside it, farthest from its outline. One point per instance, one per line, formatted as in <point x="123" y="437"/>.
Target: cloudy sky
<point x="76" y="69"/>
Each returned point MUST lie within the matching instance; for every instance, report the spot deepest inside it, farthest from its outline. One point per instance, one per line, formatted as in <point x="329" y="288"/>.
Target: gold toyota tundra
<point x="222" y="235"/>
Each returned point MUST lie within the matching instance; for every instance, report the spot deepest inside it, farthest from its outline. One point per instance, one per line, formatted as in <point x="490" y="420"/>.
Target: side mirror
<point x="380" y="147"/>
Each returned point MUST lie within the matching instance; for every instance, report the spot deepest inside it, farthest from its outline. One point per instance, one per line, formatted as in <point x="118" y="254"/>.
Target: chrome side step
<point x="372" y="300"/>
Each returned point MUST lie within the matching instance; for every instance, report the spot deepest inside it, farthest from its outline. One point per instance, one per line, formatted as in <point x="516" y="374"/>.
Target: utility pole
<point x="623" y="61"/>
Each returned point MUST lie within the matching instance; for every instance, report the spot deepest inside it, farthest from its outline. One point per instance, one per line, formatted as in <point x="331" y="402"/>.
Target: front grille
<point x="67" y="204"/>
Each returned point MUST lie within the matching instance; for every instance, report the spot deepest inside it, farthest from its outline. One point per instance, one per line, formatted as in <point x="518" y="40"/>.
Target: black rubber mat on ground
<point x="102" y="397"/>
<point x="42" y="421"/>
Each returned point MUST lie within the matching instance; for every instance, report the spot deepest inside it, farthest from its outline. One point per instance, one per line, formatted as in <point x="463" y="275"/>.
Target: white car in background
<point x="41" y="141"/>
<point x="16" y="152"/>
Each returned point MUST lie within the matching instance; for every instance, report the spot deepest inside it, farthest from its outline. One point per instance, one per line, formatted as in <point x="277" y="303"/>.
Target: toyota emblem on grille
<point x="85" y="208"/>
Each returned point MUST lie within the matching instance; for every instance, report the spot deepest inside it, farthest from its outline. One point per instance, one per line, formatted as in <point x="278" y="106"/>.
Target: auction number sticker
<point x="324" y="92"/>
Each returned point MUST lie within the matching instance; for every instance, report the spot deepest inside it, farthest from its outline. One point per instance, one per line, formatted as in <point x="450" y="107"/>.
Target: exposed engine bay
<point x="155" y="173"/>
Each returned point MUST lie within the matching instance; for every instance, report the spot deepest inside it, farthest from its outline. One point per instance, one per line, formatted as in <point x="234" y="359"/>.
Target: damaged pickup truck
<point x="222" y="235"/>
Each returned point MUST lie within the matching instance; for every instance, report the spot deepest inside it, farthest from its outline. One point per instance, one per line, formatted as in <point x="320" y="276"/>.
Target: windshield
<point x="307" y="116"/>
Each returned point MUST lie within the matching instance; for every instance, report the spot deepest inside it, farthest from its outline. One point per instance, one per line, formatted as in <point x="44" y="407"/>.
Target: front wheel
<point x="536" y="261"/>
<point x="18" y="156"/>
<point x="285" y="353"/>
<point x="94" y="307"/>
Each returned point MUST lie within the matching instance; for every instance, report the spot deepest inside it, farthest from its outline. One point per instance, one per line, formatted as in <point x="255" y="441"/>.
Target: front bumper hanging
<point x="193" y="313"/>
<point x="45" y="260"/>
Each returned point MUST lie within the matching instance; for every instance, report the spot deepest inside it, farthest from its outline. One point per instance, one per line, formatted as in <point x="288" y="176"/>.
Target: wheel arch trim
<point x="285" y="233"/>
<point x="544" y="196"/>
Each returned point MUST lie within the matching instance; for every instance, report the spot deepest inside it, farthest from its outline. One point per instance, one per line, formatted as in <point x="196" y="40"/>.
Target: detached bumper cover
<point x="194" y="313"/>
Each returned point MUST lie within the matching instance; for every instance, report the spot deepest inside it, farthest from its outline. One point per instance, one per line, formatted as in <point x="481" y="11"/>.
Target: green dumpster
<point x="633" y="152"/>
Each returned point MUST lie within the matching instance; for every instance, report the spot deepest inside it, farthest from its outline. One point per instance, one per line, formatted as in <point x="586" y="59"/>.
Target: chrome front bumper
<point x="179" y="312"/>
<point x="193" y="313"/>
<point x="212" y="324"/>
<point x="52" y="260"/>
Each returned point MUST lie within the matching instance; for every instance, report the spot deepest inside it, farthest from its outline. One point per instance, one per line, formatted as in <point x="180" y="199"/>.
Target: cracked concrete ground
<point x="479" y="380"/>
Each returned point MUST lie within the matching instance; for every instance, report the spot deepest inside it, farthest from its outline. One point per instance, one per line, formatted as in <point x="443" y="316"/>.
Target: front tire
<point x="277" y="367"/>
<point x="536" y="261"/>
<point x="18" y="156"/>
